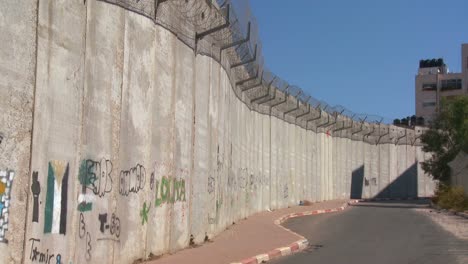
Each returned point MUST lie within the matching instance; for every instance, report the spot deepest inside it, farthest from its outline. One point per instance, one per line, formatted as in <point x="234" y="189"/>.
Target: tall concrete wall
<point x="121" y="142"/>
<point x="17" y="81"/>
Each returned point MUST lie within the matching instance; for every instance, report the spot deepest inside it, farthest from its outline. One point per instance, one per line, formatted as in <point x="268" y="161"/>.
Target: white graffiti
<point x="6" y="180"/>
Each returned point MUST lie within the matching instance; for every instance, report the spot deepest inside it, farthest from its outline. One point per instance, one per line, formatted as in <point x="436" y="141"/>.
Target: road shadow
<point x="395" y="204"/>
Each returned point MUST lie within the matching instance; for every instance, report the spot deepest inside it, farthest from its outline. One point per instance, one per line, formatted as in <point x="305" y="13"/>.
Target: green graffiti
<point x="158" y="201"/>
<point x="82" y="173"/>
<point x="165" y="189"/>
<point x="169" y="190"/>
<point x="49" y="204"/>
<point x="85" y="207"/>
<point x="144" y="213"/>
<point x="180" y="190"/>
<point x="219" y="203"/>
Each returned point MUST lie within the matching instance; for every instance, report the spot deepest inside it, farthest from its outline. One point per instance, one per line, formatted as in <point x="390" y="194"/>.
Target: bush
<point x="451" y="198"/>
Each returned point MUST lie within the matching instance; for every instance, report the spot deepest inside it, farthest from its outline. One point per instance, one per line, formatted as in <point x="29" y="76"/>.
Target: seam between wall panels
<point x="32" y="129"/>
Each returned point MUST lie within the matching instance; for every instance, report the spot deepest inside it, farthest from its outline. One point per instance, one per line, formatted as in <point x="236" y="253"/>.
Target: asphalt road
<point x="370" y="233"/>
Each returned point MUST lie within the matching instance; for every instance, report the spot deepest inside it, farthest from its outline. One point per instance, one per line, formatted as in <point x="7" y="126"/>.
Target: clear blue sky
<point x="362" y="54"/>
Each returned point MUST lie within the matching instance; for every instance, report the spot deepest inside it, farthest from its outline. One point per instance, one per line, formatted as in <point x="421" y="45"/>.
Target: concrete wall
<point x="123" y="143"/>
<point x="17" y="81"/>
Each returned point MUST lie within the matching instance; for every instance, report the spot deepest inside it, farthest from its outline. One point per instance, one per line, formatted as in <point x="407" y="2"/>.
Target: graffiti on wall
<point x="109" y="227"/>
<point x="232" y="182"/>
<point x="144" y="213"/>
<point x="253" y="183"/>
<point x="43" y="256"/>
<point x="132" y="180"/>
<point x="243" y="178"/>
<point x="262" y="180"/>
<point x="55" y="213"/>
<point x="169" y="190"/>
<point x="211" y="184"/>
<point x="215" y="219"/>
<point x="85" y="236"/>
<point x="6" y="181"/>
<point x="94" y="176"/>
<point x="36" y="190"/>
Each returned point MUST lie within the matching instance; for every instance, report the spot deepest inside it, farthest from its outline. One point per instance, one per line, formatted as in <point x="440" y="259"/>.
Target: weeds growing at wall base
<point x="451" y="197"/>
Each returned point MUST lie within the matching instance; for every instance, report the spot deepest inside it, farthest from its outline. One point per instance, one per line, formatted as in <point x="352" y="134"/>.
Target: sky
<point x="361" y="54"/>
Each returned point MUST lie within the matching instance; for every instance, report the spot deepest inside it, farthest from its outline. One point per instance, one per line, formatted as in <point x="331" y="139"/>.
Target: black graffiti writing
<point x="113" y="227"/>
<point x="103" y="219"/>
<point x="36" y="255"/>
<point x="232" y="183"/>
<point x="88" y="246"/>
<point x="285" y="191"/>
<point x="243" y="180"/>
<point x="263" y="180"/>
<point x="211" y="184"/>
<point x="152" y="181"/>
<point x="252" y="183"/>
<point x="82" y="226"/>
<point x="98" y="176"/>
<point x="84" y="234"/>
<point x="36" y="190"/>
<point x="133" y="180"/>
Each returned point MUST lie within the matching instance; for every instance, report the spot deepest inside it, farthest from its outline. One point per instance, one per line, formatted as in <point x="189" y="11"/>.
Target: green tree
<point x="447" y="135"/>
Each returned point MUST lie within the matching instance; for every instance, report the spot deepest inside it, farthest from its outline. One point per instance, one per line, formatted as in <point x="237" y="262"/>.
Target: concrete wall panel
<point x="57" y="126"/>
<point x="266" y="162"/>
<point x="100" y="135"/>
<point x="202" y="180"/>
<point x="18" y="25"/>
<point x="384" y="170"/>
<point x="162" y="153"/>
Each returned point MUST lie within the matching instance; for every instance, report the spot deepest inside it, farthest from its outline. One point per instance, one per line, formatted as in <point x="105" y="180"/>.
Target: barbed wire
<point x="227" y="31"/>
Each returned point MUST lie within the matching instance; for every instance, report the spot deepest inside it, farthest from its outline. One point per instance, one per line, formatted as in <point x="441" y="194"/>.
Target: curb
<point x="296" y="246"/>
<point x="461" y="214"/>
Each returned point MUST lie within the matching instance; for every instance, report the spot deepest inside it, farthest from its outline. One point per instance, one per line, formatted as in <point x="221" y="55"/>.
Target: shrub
<point x="448" y="197"/>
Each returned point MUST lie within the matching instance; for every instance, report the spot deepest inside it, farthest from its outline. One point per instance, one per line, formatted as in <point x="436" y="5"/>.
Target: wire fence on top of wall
<point x="226" y="31"/>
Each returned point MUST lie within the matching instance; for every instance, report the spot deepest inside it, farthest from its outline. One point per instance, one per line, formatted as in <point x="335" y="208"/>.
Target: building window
<point x="429" y="104"/>
<point x="453" y="84"/>
<point x="429" y="86"/>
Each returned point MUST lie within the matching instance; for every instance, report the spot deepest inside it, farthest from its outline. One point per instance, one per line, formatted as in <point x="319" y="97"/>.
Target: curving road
<point x="377" y="232"/>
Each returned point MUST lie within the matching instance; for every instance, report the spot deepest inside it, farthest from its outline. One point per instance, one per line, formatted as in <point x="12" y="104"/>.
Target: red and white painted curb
<point x="296" y="246"/>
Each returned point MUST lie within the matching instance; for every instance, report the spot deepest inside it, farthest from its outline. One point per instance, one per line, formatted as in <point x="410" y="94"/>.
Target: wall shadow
<point x="395" y="205"/>
<point x="404" y="186"/>
<point x="357" y="182"/>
